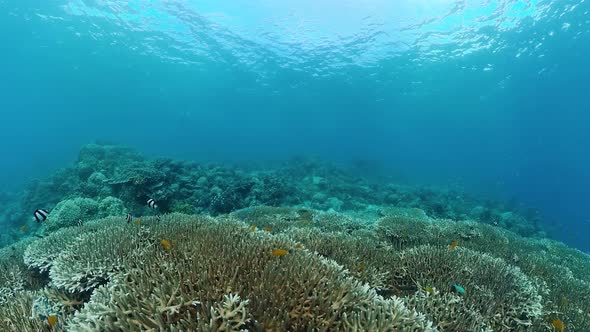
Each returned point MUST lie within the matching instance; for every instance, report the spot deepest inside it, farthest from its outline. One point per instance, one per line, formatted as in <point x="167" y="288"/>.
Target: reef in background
<point x="113" y="180"/>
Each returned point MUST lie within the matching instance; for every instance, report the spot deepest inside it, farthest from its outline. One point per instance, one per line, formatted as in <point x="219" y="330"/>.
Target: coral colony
<point x="122" y="243"/>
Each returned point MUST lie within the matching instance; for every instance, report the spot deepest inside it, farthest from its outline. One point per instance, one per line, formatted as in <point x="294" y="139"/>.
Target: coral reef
<point x="220" y="274"/>
<point x="111" y="172"/>
<point x="216" y="276"/>
<point x="304" y="246"/>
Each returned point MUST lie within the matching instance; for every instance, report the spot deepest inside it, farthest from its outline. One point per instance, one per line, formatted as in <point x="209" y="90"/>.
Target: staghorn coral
<point x="188" y="286"/>
<point x="501" y="293"/>
<point x="449" y="311"/>
<point x="503" y="297"/>
<point x="16" y="315"/>
<point x="96" y="256"/>
<point x="41" y="253"/>
<point x="129" y="281"/>
<point x="559" y="272"/>
<point x="14" y="275"/>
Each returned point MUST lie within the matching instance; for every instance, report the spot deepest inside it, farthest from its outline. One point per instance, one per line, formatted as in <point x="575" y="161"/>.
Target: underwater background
<point x="425" y="160"/>
<point x="489" y="96"/>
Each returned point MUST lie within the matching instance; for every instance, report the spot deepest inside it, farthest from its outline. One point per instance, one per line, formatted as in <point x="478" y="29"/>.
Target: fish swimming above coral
<point x="279" y="252"/>
<point x="166" y="244"/>
<point x="129" y="217"/>
<point x="152" y="203"/>
<point x="455" y="287"/>
<point x="558" y="324"/>
<point x="40" y="215"/>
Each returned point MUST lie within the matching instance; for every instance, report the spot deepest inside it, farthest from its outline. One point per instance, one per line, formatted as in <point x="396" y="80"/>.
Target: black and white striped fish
<point x="129" y="217"/>
<point x="152" y="203"/>
<point x="41" y="215"/>
<point x="79" y="222"/>
<point x="157" y="217"/>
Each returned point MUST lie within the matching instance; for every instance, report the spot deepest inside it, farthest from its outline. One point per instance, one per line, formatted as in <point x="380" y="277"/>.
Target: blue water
<point x="488" y="95"/>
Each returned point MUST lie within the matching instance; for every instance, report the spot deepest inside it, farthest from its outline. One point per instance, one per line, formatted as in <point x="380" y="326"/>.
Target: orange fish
<point x="268" y="229"/>
<point x="52" y="320"/>
<point x="453" y="245"/>
<point x="166" y="244"/>
<point x="23" y="228"/>
<point x="558" y="325"/>
<point x="279" y="252"/>
<point x="252" y="228"/>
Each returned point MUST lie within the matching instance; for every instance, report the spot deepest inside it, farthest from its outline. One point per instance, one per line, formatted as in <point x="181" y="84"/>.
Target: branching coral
<point x="501" y="293"/>
<point x="16" y="315"/>
<point x="185" y="286"/>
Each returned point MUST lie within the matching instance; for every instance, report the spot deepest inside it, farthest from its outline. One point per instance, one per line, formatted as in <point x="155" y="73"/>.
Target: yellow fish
<point x="52" y="320"/>
<point x="279" y="252"/>
<point x="429" y="290"/>
<point x="23" y="228"/>
<point x="252" y="228"/>
<point x="268" y="229"/>
<point x="558" y="325"/>
<point x="166" y="244"/>
<point x="138" y="222"/>
<point x="453" y="245"/>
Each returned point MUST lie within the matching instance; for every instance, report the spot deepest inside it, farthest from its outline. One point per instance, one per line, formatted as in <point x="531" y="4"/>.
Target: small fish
<point x="138" y="222"/>
<point x="129" y="217"/>
<point x="279" y="252"/>
<point x="252" y="228"/>
<point x="52" y="320"/>
<point x="157" y="217"/>
<point x="79" y="222"/>
<point x="361" y="267"/>
<point x="152" y="203"/>
<point x="564" y="301"/>
<point x="41" y="215"/>
<point x="558" y="324"/>
<point x="429" y="290"/>
<point x="453" y="245"/>
<point x="455" y="287"/>
<point x="299" y="246"/>
<point x="166" y="244"/>
<point x="23" y="228"/>
<point x="268" y="229"/>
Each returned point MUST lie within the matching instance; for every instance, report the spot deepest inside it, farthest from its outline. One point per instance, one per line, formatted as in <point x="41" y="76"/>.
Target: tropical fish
<point x="23" y="228"/>
<point x="361" y="267"/>
<point x="453" y="245"/>
<point x="138" y="222"/>
<point x="79" y="222"/>
<point x="429" y="290"/>
<point x="129" y="217"/>
<point x="279" y="252"/>
<point x="268" y="229"/>
<point x="152" y="203"/>
<point x="455" y="287"/>
<point x="564" y="301"/>
<point x="166" y="244"/>
<point x="252" y="228"/>
<point x="558" y="324"/>
<point x="52" y="320"/>
<point x="41" y="215"/>
<point x="157" y="217"/>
